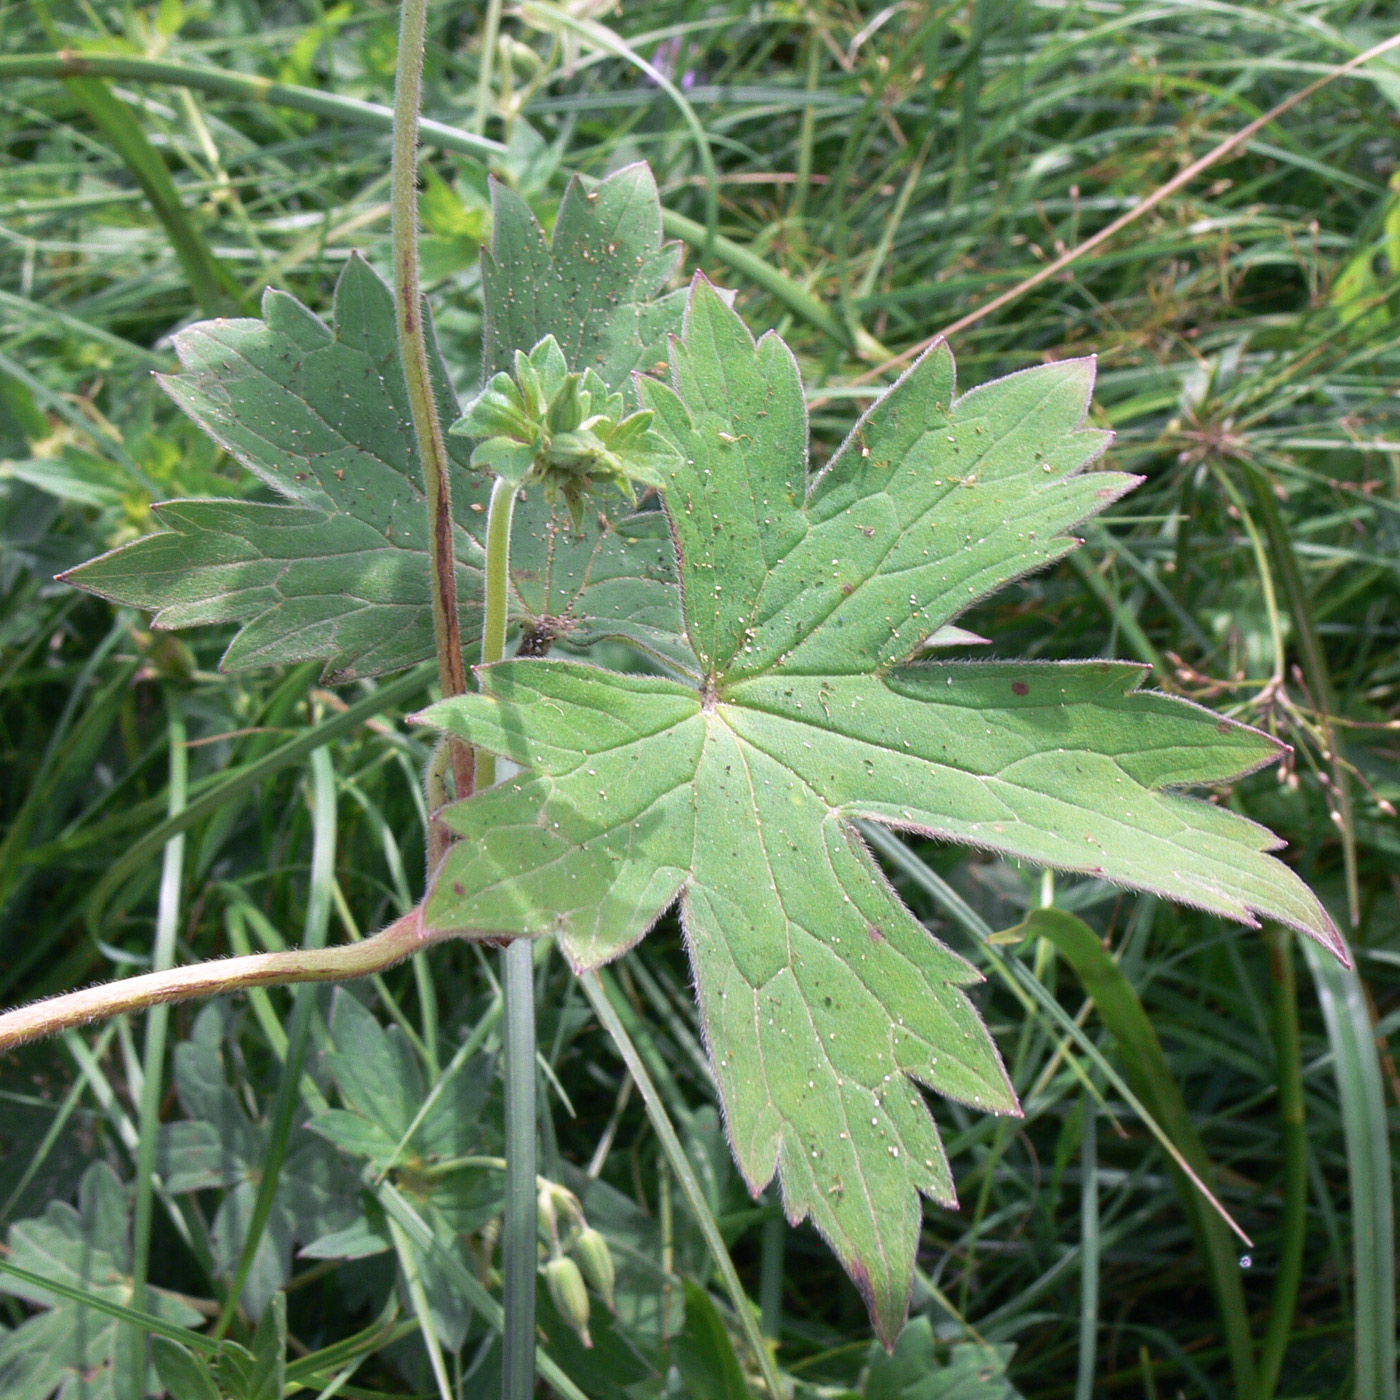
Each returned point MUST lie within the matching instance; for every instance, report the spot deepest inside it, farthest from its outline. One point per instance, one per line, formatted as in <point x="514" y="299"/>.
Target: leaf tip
<point x="888" y="1313"/>
<point x="1326" y="934"/>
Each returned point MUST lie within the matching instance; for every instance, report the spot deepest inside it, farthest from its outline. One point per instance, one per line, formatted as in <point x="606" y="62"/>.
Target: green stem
<point x="685" y="1175"/>
<point x="518" y="1248"/>
<point x="489" y="41"/>
<point x="413" y="351"/>
<point x="496" y="605"/>
<point x="1292" y="1228"/>
<point x="157" y="1024"/>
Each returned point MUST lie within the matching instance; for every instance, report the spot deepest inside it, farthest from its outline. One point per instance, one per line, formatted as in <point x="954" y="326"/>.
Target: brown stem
<point x="413" y="351"/>
<point x="400" y="940"/>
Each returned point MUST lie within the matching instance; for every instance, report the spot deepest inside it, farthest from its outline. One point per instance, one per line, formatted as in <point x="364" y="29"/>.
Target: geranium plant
<point x="636" y="468"/>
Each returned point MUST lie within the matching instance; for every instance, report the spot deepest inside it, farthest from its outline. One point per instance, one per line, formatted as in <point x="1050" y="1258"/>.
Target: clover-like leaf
<point x="383" y="1090"/>
<point x="915" y="1370"/>
<point x="338" y="571"/>
<point x="217" y="1146"/>
<point x="806" y="603"/>
<point x="385" y="1125"/>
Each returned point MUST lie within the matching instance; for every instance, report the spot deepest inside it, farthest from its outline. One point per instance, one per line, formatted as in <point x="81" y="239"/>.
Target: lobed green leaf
<point x="596" y="286"/>
<point x="806" y="604"/>
<point x="338" y="570"/>
<point x="66" y="1348"/>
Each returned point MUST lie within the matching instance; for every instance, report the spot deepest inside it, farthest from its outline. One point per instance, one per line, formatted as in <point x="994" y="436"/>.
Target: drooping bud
<point x="547" y="1215"/>
<point x="556" y="1204"/>
<point x="596" y="1263"/>
<point x="570" y="1296"/>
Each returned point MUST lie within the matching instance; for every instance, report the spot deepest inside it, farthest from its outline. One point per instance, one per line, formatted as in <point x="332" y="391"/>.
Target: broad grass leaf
<point x="807" y="601"/>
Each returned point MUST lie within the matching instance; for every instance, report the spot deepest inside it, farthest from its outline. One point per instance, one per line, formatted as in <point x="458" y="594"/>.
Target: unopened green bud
<point x="521" y="57"/>
<point x="556" y="1204"/>
<point x="570" y="1297"/>
<point x="596" y="1262"/>
<point x="548" y="1216"/>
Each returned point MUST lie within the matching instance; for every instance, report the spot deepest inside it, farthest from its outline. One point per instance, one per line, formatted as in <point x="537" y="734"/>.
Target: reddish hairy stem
<point x="400" y="940"/>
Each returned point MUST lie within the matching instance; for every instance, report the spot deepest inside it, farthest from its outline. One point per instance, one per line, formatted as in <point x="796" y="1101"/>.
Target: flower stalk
<point x="518" y="1235"/>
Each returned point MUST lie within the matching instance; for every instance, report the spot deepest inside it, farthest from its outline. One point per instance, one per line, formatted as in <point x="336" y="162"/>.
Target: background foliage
<point x="898" y="166"/>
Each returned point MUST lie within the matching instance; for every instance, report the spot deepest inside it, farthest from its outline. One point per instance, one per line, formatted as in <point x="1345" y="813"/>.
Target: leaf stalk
<point x="400" y="940"/>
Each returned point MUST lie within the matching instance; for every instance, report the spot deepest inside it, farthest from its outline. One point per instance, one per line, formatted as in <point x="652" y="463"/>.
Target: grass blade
<point x="1293" y="1227"/>
<point x="1088" y="1250"/>
<point x="1146" y="1069"/>
<point x="157" y="1025"/>
<point x="680" y="1164"/>
<point x="1357" y="1066"/>
<point x="214" y="286"/>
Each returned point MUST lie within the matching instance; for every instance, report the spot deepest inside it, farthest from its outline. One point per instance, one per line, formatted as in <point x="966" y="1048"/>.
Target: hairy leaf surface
<point x="596" y="287"/>
<point x="339" y="571"/>
<point x="806" y="602"/>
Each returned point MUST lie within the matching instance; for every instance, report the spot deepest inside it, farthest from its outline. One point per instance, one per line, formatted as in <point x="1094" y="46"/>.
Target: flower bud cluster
<point x="565" y="430"/>
<point x="577" y="1258"/>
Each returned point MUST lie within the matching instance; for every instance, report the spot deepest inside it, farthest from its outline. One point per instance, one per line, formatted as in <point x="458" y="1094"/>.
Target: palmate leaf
<point x="735" y="789"/>
<point x="320" y="413"/>
<point x="217" y="1146"/>
<point x="66" y="1350"/>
